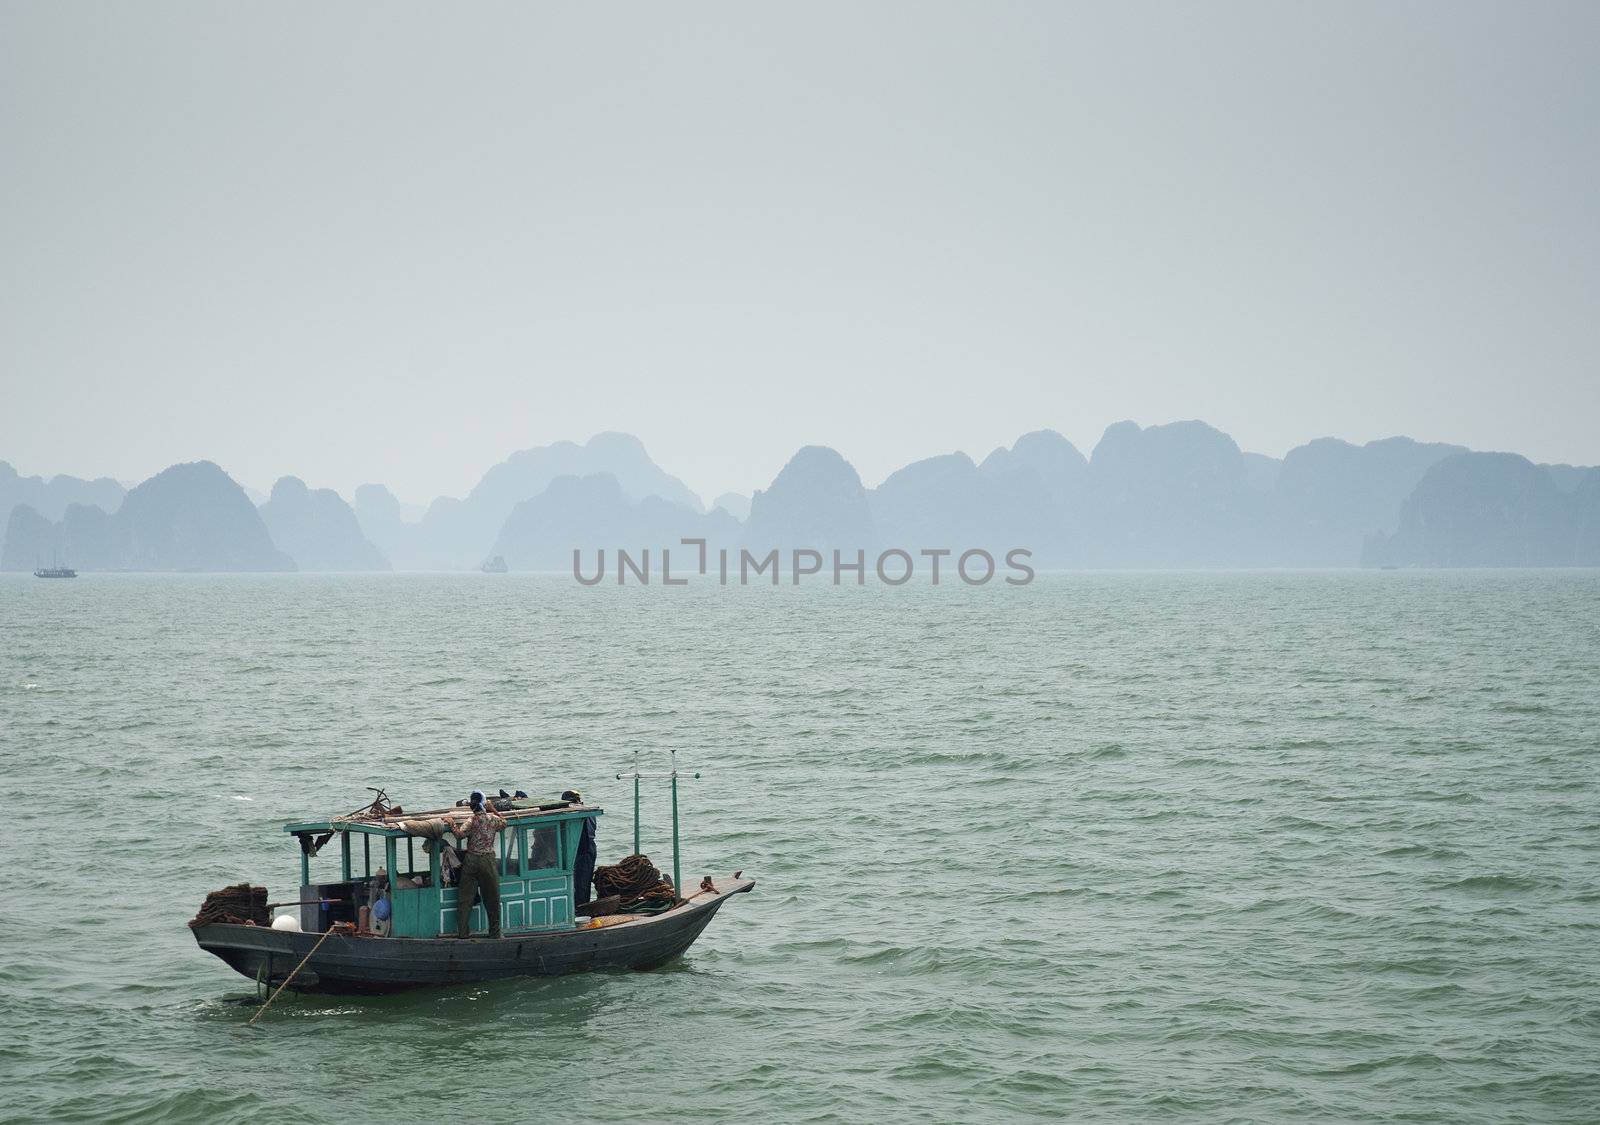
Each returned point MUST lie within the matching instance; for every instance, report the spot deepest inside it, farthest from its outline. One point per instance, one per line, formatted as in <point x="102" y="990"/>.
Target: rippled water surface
<point x="1135" y="847"/>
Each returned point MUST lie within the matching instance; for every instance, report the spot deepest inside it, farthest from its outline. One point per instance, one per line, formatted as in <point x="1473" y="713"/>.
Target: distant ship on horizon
<point x="496" y="565"/>
<point x="57" y="571"/>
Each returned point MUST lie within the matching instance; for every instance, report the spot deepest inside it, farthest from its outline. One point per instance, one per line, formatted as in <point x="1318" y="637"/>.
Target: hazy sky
<point x="395" y="242"/>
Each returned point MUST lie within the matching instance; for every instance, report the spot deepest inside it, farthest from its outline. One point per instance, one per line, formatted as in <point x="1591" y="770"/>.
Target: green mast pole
<point x="636" y="775"/>
<point x="677" y="853"/>
<point x="677" y="874"/>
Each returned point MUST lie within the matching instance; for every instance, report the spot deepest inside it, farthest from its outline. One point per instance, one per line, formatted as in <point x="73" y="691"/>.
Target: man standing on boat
<point x="479" y="872"/>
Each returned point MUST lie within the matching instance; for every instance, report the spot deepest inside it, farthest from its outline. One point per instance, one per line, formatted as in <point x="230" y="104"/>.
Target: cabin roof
<point x="390" y="825"/>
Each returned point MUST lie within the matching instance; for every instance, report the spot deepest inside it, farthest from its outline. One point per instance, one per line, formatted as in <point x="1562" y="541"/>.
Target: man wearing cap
<point x="479" y="872"/>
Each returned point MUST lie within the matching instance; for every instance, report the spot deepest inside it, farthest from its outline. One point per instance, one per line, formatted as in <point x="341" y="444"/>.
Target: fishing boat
<point x="339" y="942"/>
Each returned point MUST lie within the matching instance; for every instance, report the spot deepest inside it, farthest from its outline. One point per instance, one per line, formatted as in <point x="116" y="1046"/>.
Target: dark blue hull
<point x="347" y="963"/>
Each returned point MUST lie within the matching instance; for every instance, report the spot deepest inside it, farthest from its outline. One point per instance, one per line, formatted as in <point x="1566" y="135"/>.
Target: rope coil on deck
<point x="634" y="879"/>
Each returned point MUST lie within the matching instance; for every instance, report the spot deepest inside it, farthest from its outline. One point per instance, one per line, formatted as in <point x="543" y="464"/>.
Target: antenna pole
<point x="672" y="776"/>
<point x="636" y="775"/>
<point x="677" y="874"/>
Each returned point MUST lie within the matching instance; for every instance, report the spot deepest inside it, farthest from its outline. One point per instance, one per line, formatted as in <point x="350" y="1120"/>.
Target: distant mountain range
<point x="50" y="498"/>
<point x="1180" y="495"/>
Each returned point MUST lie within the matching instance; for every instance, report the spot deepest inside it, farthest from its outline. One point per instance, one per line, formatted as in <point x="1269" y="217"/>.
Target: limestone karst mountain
<point x="816" y="501"/>
<point x="378" y="512"/>
<point x="51" y="498"/>
<point x="78" y="539"/>
<point x="1059" y="466"/>
<point x="317" y="529"/>
<point x="1493" y="509"/>
<point x="458" y="533"/>
<point x="1056" y="522"/>
<point x="593" y="513"/>
<point x="949" y="503"/>
<point x="1176" y="495"/>
<point x="1330" y="495"/>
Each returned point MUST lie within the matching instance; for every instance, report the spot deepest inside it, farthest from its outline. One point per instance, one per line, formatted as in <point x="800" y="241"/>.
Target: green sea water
<point x="1135" y="847"/>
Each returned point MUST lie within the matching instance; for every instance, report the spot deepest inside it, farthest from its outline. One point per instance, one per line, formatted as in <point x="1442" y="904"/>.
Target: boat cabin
<point x="408" y="860"/>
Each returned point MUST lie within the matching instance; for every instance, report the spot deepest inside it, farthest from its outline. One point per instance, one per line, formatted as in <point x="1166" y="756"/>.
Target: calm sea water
<point x="1140" y="847"/>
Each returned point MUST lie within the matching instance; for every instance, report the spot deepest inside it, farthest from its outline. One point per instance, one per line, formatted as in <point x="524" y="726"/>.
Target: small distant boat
<point x="496" y="565"/>
<point x="55" y="572"/>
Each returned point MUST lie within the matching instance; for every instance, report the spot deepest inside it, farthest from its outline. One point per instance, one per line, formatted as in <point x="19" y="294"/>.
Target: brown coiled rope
<point x="633" y="879"/>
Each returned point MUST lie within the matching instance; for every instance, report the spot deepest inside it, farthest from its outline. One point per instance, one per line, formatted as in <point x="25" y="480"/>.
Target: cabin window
<point x="415" y="863"/>
<point x="544" y="851"/>
<point x="509" y="846"/>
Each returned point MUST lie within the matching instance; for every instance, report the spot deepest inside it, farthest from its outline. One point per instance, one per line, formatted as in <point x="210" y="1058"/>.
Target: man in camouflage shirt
<point x="480" y="874"/>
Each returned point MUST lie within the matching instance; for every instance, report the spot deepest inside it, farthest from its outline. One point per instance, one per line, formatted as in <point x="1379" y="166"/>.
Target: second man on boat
<point x="480" y="875"/>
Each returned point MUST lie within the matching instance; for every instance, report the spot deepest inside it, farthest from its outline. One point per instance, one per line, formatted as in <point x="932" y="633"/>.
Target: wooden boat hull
<point x="350" y="964"/>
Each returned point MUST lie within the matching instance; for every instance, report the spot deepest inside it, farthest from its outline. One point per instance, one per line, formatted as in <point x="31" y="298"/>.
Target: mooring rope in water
<point x="337" y="927"/>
